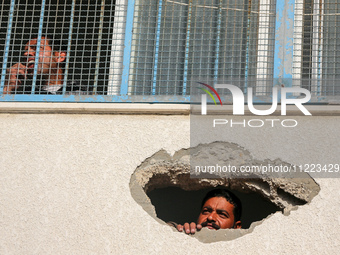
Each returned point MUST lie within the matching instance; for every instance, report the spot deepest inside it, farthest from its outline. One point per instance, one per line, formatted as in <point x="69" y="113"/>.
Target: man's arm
<point x="14" y="78"/>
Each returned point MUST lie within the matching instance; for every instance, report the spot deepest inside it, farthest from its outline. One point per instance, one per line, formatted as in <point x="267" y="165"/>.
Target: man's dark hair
<point x="230" y="197"/>
<point x="56" y="42"/>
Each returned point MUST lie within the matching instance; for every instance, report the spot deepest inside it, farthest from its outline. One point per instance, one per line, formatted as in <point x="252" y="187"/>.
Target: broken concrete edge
<point x="206" y="235"/>
<point x="301" y="187"/>
<point x="163" y="170"/>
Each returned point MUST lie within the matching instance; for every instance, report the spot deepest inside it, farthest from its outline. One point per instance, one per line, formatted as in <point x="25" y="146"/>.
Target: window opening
<point x="157" y="50"/>
<point x="84" y="29"/>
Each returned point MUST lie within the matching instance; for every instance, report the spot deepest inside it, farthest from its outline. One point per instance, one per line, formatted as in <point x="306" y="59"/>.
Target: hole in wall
<point x="162" y="185"/>
<point x="169" y="207"/>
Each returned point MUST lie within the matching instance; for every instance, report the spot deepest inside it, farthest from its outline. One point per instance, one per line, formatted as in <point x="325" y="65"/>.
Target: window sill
<point x="94" y="108"/>
<point x="147" y="108"/>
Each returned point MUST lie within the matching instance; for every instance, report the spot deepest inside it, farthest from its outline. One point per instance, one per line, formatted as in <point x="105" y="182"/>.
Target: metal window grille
<point x="157" y="50"/>
<point x="178" y="43"/>
<point x="316" y="61"/>
<point x="89" y="32"/>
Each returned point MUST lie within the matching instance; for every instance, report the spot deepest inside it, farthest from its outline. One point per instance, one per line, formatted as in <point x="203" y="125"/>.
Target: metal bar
<point x="264" y="48"/>
<point x="320" y="41"/>
<point x="315" y="43"/>
<point x="158" y="33"/>
<point x="247" y="48"/>
<point x="218" y="38"/>
<point x="187" y="44"/>
<point x="283" y="53"/>
<point x="298" y="43"/>
<point x="117" y="48"/>
<point x="95" y="98"/>
<point x="127" y="48"/>
<point x="95" y="84"/>
<point x="37" y="51"/>
<point x="8" y="42"/>
<point x="67" y="64"/>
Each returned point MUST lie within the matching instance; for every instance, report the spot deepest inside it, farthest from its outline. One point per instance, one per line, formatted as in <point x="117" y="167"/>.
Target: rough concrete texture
<point x="162" y="170"/>
<point x="64" y="186"/>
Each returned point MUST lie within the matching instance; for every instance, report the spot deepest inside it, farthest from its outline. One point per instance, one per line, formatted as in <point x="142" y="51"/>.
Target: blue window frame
<point x="157" y="50"/>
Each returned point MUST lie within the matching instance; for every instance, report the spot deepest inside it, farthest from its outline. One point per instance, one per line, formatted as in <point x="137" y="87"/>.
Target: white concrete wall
<point x="64" y="186"/>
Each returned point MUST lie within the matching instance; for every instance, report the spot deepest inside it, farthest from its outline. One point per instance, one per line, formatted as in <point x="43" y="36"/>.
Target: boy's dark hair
<point x="230" y="197"/>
